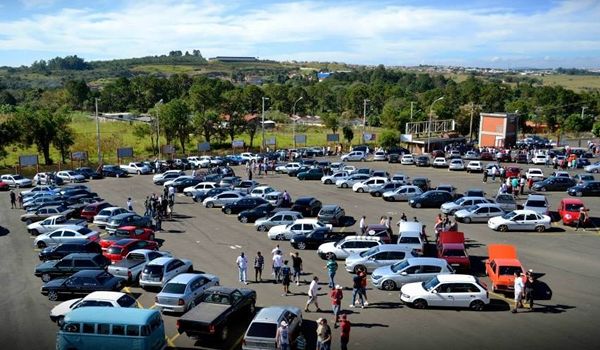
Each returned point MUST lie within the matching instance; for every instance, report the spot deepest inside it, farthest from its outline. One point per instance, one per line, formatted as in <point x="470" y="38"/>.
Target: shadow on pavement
<point x="4" y="231"/>
<point x="478" y="265"/>
<point x="551" y="309"/>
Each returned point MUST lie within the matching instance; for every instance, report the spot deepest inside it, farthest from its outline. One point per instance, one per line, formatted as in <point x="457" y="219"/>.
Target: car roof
<point x="445" y="278"/>
<point x="330" y="206"/>
<point x="94" y="314"/>
<point x="362" y="238"/>
<point x="393" y="248"/>
<point x="114" y="296"/>
<point x="161" y="261"/>
<point x="411" y="226"/>
<point x="571" y="201"/>
<point x="271" y="314"/>
<point x="425" y="260"/>
<point x="304" y="199"/>
<point x="536" y="197"/>
<point x="185" y="277"/>
<point x="306" y="221"/>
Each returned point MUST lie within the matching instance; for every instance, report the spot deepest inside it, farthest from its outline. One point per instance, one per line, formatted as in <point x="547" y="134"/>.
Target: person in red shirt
<point x="344" y="331"/>
<point x="336" y="296"/>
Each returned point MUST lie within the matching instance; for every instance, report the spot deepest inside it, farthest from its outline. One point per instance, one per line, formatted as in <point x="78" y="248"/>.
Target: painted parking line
<point x="170" y="341"/>
<point x="501" y="297"/>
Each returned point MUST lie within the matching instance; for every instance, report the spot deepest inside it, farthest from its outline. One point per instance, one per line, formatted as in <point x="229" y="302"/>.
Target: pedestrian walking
<point x="356" y="291"/>
<point x="493" y="171"/>
<point x="345" y="327"/>
<point x="485" y="175"/>
<point x="129" y="204"/>
<point x="242" y="264"/>
<point x="20" y="200"/>
<point x="518" y="288"/>
<point x="331" y="267"/>
<point x="286" y="277"/>
<point x="259" y="264"/>
<point x="522" y="182"/>
<point x="336" y="296"/>
<point x="313" y="290"/>
<point x="362" y="272"/>
<point x="583" y="216"/>
<point x="529" y="184"/>
<point x="282" y="337"/>
<point x="323" y="335"/>
<point x="277" y="249"/>
<point x="13" y="200"/>
<point x="296" y="267"/>
<point x="362" y="225"/>
<point x="157" y="221"/>
<point x="277" y="265"/>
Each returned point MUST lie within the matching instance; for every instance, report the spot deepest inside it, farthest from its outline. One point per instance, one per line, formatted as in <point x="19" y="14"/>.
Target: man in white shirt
<point x="313" y="291"/>
<point x="242" y="264"/>
<point x="277" y="249"/>
<point x="362" y="225"/>
<point x="519" y="286"/>
<point x="277" y="265"/>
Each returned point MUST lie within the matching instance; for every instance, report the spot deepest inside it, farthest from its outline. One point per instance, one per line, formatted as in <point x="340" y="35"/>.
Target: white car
<point x="403" y="193"/>
<point x="199" y="189"/>
<point x="379" y="156"/>
<point x="16" y="180"/>
<point x="400" y="178"/>
<point x="475" y="166"/>
<point x="222" y="198"/>
<point x="407" y="159"/>
<point x="564" y="174"/>
<point x="536" y="174"/>
<point x="472" y="155"/>
<point x="288" y="167"/>
<point x="167" y="174"/>
<point x="456" y="164"/>
<point x="351" y="180"/>
<point x="275" y="198"/>
<point x="367" y="185"/>
<point x="350" y="169"/>
<point x="447" y="291"/>
<point x="41" y="188"/>
<point x="65" y="234"/>
<point x="331" y="179"/>
<point x="461" y="203"/>
<point x="439" y="162"/>
<point x="70" y="175"/>
<point x="261" y="191"/>
<point x="103" y="299"/>
<point x="300" y="226"/>
<point x="161" y="270"/>
<point x="247" y="157"/>
<point x="354" y="156"/>
<point x="347" y="246"/>
<point x="136" y="168"/>
<point x="105" y="215"/>
<point x="539" y="159"/>
<point x="520" y="220"/>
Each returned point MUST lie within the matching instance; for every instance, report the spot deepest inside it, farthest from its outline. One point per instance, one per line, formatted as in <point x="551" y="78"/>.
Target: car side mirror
<point x="434" y="291"/>
<point x="403" y="273"/>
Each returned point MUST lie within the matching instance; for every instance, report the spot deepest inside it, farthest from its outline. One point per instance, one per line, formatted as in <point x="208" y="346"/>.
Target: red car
<point x="513" y="171"/>
<point x="568" y="210"/>
<point x="121" y="248"/>
<point x="93" y="209"/>
<point x="4" y="186"/>
<point x="451" y="247"/>
<point x="487" y="156"/>
<point x="142" y="233"/>
<point x="437" y="153"/>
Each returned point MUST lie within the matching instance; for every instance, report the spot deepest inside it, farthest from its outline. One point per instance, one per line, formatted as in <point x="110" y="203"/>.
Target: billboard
<point x="203" y="147"/>
<point x="31" y="160"/>
<point x="271" y="141"/>
<point x="126" y="152"/>
<point x="80" y="155"/>
<point x="168" y="149"/>
<point x="406" y="138"/>
<point x="368" y="137"/>
<point x="300" y="139"/>
<point x="237" y="144"/>
<point x="333" y="137"/>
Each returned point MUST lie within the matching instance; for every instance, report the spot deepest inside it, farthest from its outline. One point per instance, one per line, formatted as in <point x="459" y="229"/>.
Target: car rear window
<point x="126" y="301"/>
<point x="174" y="288"/>
<point x="454" y="252"/>
<point x="84" y="231"/>
<point x="509" y="270"/>
<point x="573" y="207"/>
<point x="409" y="240"/>
<point x="262" y="330"/>
<point x="153" y="269"/>
<point x="114" y="250"/>
<point x="535" y="204"/>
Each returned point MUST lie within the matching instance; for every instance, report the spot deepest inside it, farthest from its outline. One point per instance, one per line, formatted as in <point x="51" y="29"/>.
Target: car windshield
<point x="84" y="231"/>
<point x="509" y="270"/>
<point x="471" y="208"/>
<point x="262" y="330"/>
<point x="370" y="252"/>
<point x="328" y="210"/>
<point x="573" y="206"/>
<point x="459" y="201"/>
<point x="153" y="269"/>
<point x="409" y="240"/>
<point x="509" y="215"/>
<point x="429" y="285"/>
<point x="114" y="250"/>
<point x="18" y="177"/>
<point x="399" y="266"/>
<point x="454" y="252"/>
<point x="174" y="288"/>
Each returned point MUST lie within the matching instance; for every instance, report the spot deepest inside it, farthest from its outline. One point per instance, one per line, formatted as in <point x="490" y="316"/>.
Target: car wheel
<point x="360" y="190"/>
<point x="280" y="237"/>
<point x="579" y="193"/>
<point x="28" y="222"/>
<point x="228" y="211"/>
<point x="388" y="285"/>
<point x="244" y="219"/>
<point x="540" y="228"/>
<point x="344" y="185"/>
<point x="41" y="244"/>
<point x="467" y="220"/>
<point x="328" y="182"/>
<point x="543" y="189"/>
<point x="224" y="333"/>
<point x="417" y="205"/>
<point x="357" y="268"/>
<point x="301" y="245"/>
<point x="210" y="205"/>
<point x="52" y="296"/>
<point x="46" y="277"/>
<point x="502" y="228"/>
<point x="476" y="305"/>
<point x="420" y="304"/>
<point x="377" y="194"/>
<point x="262" y="228"/>
<point x="34" y="232"/>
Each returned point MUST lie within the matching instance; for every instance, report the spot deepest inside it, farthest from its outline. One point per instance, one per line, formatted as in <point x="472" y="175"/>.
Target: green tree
<point x="332" y="121"/>
<point x="65" y="137"/>
<point x="389" y="138"/>
<point x="175" y="121"/>
<point x="348" y="133"/>
<point x="596" y="129"/>
<point x="78" y="93"/>
<point x="233" y="107"/>
<point x="206" y="124"/>
<point x="6" y="98"/>
<point x="142" y="131"/>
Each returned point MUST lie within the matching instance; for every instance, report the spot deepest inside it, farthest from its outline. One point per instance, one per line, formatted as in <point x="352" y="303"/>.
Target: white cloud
<point x="356" y="32"/>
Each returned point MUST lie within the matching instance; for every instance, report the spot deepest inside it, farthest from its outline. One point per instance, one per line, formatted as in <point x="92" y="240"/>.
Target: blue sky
<point x="483" y="33"/>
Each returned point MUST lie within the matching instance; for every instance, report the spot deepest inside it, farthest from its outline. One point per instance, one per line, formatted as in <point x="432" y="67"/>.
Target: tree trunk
<point x="46" y="152"/>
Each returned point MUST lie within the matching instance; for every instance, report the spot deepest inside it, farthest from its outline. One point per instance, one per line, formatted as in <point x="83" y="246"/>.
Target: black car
<point x="294" y="172"/>
<point x="314" y="238"/>
<point x="307" y="206"/>
<point x="70" y="264"/>
<point x="394" y="158"/>
<point x="82" y="283"/>
<point x="251" y="215"/>
<point x="554" y="184"/>
<point x="113" y="171"/>
<point x="422" y="182"/>
<point x="185" y="182"/>
<point x="582" y="162"/>
<point x="390" y="186"/>
<point x="431" y="199"/>
<point x="521" y="158"/>
<point x="242" y="204"/>
<point x="88" y="173"/>
<point x="211" y="193"/>
<point x="422" y="161"/>
<point x="590" y="188"/>
<point x="59" y="251"/>
<point x="128" y="219"/>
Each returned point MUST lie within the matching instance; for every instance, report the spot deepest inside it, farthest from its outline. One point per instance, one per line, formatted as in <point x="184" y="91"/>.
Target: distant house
<point x="125" y="116"/>
<point x="497" y="130"/>
<point x="233" y="59"/>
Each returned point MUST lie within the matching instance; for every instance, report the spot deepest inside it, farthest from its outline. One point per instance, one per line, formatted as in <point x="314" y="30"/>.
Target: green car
<point x="311" y="174"/>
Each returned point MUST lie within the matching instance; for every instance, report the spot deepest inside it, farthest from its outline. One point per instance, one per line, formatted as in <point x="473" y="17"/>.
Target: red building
<point x="497" y="130"/>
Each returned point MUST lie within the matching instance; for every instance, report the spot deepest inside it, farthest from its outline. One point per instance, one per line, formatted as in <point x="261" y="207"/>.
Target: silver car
<point x="506" y="201"/>
<point x="381" y="255"/>
<point x="182" y="291"/>
<point x="331" y="179"/>
<point x="263" y="328"/>
<point x="351" y="180"/>
<point x="461" y="203"/>
<point x="279" y="218"/>
<point x="409" y="270"/>
<point x="222" y="198"/>
<point x="403" y="193"/>
<point x="105" y="215"/>
<point x="478" y="213"/>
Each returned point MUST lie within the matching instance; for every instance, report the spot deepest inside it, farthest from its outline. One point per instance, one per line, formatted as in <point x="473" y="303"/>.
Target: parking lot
<point x="213" y="240"/>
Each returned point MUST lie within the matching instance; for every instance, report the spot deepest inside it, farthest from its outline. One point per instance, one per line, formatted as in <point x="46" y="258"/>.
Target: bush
<point x="389" y="139"/>
<point x="596" y="129"/>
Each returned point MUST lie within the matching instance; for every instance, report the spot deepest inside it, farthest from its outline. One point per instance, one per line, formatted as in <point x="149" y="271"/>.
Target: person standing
<point x="522" y="185"/>
<point x="313" y="290"/>
<point x="344" y="332"/>
<point x="518" y="288"/>
<point x="282" y="337"/>
<point x="277" y="264"/>
<point x="13" y="200"/>
<point x="493" y="173"/>
<point x="20" y="200"/>
<point x="331" y="267"/>
<point x="296" y="267"/>
<point x="242" y="263"/>
<point x="529" y="289"/>
<point x="485" y="175"/>
<point x="362" y="225"/>
<point x="323" y="335"/>
<point x="356" y="291"/>
<point x="277" y="249"/>
<point x="362" y="272"/>
<point x="286" y="274"/>
<point x="259" y="264"/>
<point x="158" y="221"/>
<point x="336" y="296"/>
<point x="583" y="216"/>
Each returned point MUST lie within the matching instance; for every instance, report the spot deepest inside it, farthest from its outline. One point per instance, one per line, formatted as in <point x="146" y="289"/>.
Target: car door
<point x="463" y="294"/>
<point x="64" y="267"/>
<point x="518" y="223"/>
<point x="426" y="272"/>
<point x="379" y="259"/>
<point x="480" y="214"/>
<point x="442" y="295"/>
<point x="531" y="221"/>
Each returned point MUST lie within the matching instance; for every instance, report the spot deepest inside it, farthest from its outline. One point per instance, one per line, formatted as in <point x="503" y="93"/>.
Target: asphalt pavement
<point x="213" y="240"/>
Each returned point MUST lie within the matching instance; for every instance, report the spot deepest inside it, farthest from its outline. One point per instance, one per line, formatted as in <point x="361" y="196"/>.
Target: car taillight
<point x="180" y="302"/>
<point x="211" y="329"/>
<point x="156" y="299"/>
<point x="177" y="324"/>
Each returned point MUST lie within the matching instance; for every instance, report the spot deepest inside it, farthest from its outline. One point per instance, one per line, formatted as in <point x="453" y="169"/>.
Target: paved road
<point x="213" y="240"/>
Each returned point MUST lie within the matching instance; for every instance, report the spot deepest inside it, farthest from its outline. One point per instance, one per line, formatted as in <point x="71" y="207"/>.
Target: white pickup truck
<point x="52" y="223"/>
<point x="136" y="168"/>
<point x="132" y="265"/>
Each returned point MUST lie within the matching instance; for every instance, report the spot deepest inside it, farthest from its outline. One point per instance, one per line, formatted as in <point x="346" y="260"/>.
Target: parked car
<point x="536" y="174"/>
<point x="592" y="168"/>
<point x="456" y="164"/>
<point x="16" y="180"/>
<point x="590" y="188"/>
<point x="407" y="159"/>
<point x="579" y="178"/>
<point x="403" y="193"/>
<point x="471" y="155"/>
<point x="411" y="235"/>
<point x="128" y="219"/>
<point x="130" y="268"/>
<point x="160" y="179"/>
<point x="331" y="179"/>
<point x="46" y="178"/>
<point x="461" y="203"/>
<point x="506" y="201"/>
<point x="554" y="184"/>
<point x="242" y="204"/>
<point x="105" y="215"/>
<point x="161" y="270"/>
<point x="46" y="212"/>
<point x="354" y="156"/>
<point x="222" y="198"/>
<point x="378" y="191"/>
<point x="69" y="265"/>
<point x="409" y="270"/>
<point x="53" y="223"/>
<point x="439" y="162"/>
<point x="537" y="203"/>
<point x="288" y="167"/>
<point x="351" y="180"/>
<point x="520" y="220"/>
<point x="314" y="238"/>
<point x="276" y="219"/>
<point x="478" y="213"/>
<point x="261" y="191"/>
<point x="119" y="249"/>
<point x="474" y="166"/>
<point x="64" y="235"/>
<point x="378" y="256"/>
<point x="91" y="210"/>
<point x="245" y="186"/>
<point x="200" y="197"/>
<point x="88" y="173"/>
<point x="370" y="183"/>
<point x="430" y="199"/>
<point x="422" y="182"/>
<point x="422" y="161"/>
<point x="569" y="210"/>
<point x="113" y="171"/>
<point x="98" y="299"/>
<point x="331" y="214"/>
<point x="82" y="283"/>
<point x="258" y="212"/>
<point x="262" y="330"/>
<point x="70" y="176"/>
<point x="450" y="246"/>
<point x="501" y="265"/>
<point x="346" y="246"/>
<point x="183" y="291"/>
<point x="512" y="171"/>
<point x="299" y="226"/>
<point x="307" y="206"/>
<point x="59" y="251"/>
<point x="447" y="291"/>
<point x="311" y="174"/>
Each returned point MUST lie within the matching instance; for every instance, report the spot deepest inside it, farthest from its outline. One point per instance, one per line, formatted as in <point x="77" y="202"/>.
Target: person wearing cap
<point x="583" y="216"/>
<point x="323" y="335"/>
<point x="336" y="296"/>
<point x="344" y="331"/>
<point x="282" y="337"/>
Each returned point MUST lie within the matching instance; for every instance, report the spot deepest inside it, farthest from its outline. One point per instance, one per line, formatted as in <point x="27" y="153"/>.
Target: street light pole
<point x="158" y="128"/>
<point x="411" y="109"/>
<point x="263" y="123"/>
<point x="364" y="118"/>
<point x="582" y="111"/>
<point x="98" y="131"/>
<point x="429" y="126"/>
<point x="294" y="120"/>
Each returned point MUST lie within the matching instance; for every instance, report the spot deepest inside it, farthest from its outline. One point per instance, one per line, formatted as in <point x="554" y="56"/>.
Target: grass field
<point x="574" y="82"/>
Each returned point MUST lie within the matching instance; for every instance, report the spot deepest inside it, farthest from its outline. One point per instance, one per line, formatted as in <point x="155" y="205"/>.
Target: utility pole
<point x="365" y="101"/>
<point x="263" y="124"/>
<point x="158" y="128"/>
<point x="582" y="111"/>
<point x="411" y="109"/>
<point x="294" y="120"/>
<point x="471" y="123"/>
<point x="98" y="131"/>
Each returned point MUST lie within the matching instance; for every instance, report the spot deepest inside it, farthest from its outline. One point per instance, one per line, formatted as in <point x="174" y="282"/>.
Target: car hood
<point x="462" y="213"/>
<point x="496" y="220"/>
<point x="54" y="283"/>
<point x="449" y="205"/>
<point x="383" y="271"/>
<point x="64" y="307"/>
<point x="415" y="288"/>
<point x="327" y="246"/>
<point x="278" y="229"/>
<point x="46" y="265"/>
<point x="353" y="258"/>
